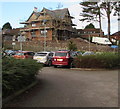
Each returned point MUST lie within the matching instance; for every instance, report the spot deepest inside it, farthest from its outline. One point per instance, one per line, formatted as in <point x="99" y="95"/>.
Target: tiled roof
<point x="89" y="29"/>
<point x="12" y="31"/>
<point x="54" y="14"/>
<point x="59" y="13"/>
<point x="116" y="34"/>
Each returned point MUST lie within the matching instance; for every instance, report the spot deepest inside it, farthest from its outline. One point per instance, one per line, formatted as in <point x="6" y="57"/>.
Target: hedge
<point x="103" y="60"/>
<point x="17" y="74"/>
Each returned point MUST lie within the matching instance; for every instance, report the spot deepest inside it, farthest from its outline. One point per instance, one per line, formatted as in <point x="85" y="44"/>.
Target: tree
<point x="91" y="12"/>
<point x="6" y="26"/>
<point x="108" y="7"/>
<point x="90" y="26"/>
<point x="117" y="10"/>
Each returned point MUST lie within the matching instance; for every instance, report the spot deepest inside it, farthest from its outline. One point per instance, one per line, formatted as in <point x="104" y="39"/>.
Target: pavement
<point x="63" y="87"/>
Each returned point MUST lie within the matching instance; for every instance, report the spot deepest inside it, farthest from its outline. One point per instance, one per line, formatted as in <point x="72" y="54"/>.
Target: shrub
<point x="17" y="74"/>
<point x="104" y="60"/>
<point x="110" y="60"/>
<point x="72" y="46"/>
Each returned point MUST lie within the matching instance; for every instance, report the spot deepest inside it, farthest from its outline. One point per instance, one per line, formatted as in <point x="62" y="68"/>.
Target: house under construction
<point x="49" y="24"/>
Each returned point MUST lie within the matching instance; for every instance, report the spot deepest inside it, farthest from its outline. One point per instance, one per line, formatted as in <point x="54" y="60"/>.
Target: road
<point x="62" y="87"/>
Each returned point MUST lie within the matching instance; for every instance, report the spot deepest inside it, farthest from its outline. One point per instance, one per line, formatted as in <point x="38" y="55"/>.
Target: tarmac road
<point x="62" y="87"/>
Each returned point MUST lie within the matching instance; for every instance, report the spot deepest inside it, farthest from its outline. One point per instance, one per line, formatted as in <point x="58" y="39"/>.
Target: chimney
<point x="35" y="9"/>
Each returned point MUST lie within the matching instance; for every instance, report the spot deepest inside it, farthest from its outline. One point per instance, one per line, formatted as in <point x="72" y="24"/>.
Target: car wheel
<point x="55" y="66"/>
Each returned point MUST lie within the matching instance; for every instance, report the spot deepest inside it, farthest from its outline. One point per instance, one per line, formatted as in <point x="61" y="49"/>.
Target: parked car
<point x="62" y="58"/>
<point x="44" y="57"/>
<point x="88" y="53"/>
<point x="24" y="55"/>
<point x="8" y="52"/>
<point x="76" y="53"/>
<point x="11" y="52"/>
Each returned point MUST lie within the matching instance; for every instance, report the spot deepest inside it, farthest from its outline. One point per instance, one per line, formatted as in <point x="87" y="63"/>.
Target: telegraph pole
<point x="89" y="42"/>
<point x="44" y="32"/>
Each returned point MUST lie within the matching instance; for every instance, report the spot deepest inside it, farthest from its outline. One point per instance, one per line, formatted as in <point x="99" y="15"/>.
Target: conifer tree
<point x="7" y="26"/>
<point x="93" y="11"/>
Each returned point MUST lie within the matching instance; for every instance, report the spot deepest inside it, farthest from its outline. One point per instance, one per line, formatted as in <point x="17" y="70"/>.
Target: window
<point x="91" y="32"/>
<point x="40" y="54"/>
<point x="51" y="54"/>
<point x="33" y="25"/>
<point x="44" y="22"/>
<point x="33" y="34"/>
<point x="60" y="54"/>
<point x="29" y="53"/>
<point x="106" y="40"/>
<point x="19" y="54"/>
<point x="43" y="33"/>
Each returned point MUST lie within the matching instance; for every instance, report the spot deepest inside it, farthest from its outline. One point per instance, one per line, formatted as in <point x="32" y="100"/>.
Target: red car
<point x="24" y="55"/>
<point x="62" y="58"/>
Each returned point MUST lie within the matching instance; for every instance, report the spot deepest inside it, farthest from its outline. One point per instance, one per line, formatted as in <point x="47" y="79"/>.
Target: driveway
<point x="60" y="87"/>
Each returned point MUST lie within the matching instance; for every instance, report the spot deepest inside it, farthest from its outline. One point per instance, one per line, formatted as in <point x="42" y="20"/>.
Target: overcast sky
<point x="15" y="11"/>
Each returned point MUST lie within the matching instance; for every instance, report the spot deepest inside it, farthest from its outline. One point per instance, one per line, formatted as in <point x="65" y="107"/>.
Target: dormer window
<point x="44" y="22"/>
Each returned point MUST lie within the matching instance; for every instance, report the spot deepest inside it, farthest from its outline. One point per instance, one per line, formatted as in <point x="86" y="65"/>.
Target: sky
<point x="15" y="11"/>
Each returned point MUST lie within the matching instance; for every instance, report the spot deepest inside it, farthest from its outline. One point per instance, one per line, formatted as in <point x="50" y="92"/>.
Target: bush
<point x="17" y="74"/>
<point x="72" y="46"/>
<point x="104" y="60"/>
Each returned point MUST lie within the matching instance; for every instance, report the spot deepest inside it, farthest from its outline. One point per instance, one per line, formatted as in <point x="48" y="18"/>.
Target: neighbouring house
<point x="115" y="37"/>
<point x="86" y="33"/>
<point x="7" y="34"/>
<point x="49" y="25"/>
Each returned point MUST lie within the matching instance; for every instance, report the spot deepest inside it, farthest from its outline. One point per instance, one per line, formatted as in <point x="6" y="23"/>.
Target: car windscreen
<point x="40" y="54"/>
<point x="19" y="54"/>
<point x="29" y="53"/>
<point x="88" y="53"/>
<point x="60" y="54"/>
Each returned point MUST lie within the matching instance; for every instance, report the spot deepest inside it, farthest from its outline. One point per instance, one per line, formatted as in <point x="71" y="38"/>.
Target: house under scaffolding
<point x="52" y="24"/>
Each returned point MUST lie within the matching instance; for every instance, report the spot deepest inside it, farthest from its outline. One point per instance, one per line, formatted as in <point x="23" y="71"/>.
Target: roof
<point x="89" y="29"/>
<point x="55" y="14"/>
<point x="63" y="51"/>
<point x="59" y="13"/>
<point x="14" y="31"/>
<point x="116" y="34"/>
<point x="25" y="51"/>
<point x="43" y="52"/>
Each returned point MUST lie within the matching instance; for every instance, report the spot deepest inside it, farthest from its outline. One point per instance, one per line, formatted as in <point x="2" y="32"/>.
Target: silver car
<point x="44" y="57"/>
<point x="88" y="53"/>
